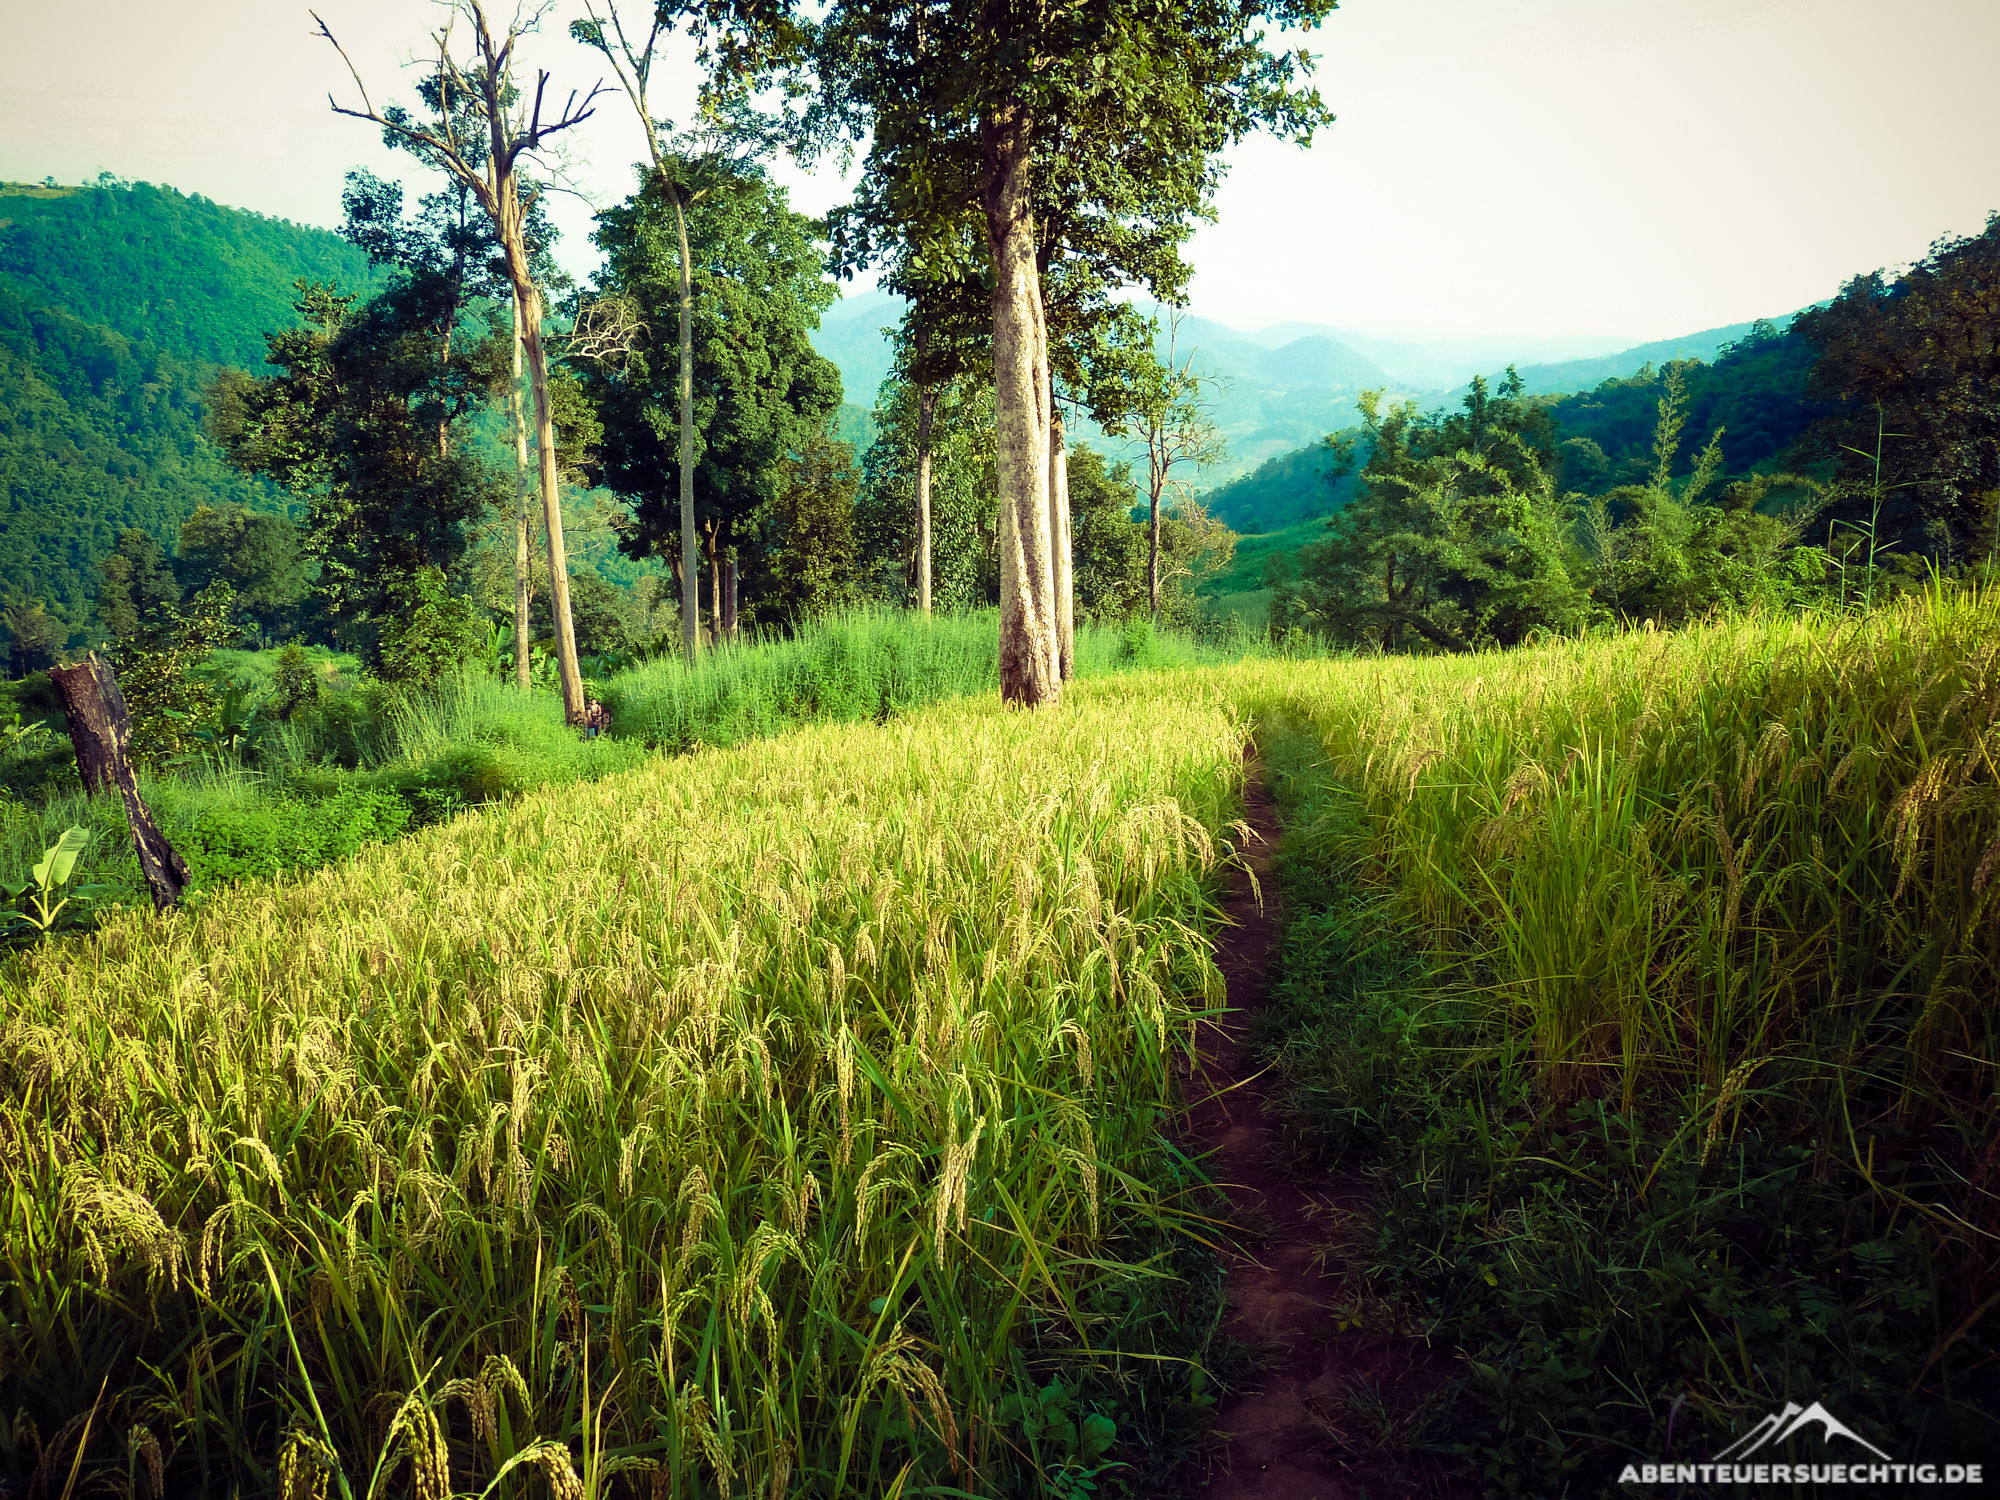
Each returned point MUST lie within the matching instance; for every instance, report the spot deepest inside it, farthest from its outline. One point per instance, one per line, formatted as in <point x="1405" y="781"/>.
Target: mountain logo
<point x="1780" y="1425"/>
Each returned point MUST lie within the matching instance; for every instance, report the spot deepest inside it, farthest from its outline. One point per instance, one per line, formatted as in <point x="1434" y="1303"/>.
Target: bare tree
<point x="1180" y="435"/>
<point x="514" y="127"/>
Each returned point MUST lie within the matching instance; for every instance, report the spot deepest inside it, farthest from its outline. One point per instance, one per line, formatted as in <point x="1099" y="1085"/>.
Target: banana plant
<point x="36" y="905"/>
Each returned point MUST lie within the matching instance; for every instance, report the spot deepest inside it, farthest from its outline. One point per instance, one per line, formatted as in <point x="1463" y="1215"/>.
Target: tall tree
<point x="137" y="581"/>
<point x="1916" y="361"/>
<point x="966" y="103"/>
<point x="451" y="242"/>
<point x="740" y="373"/>
<point x="487" y="159"/>
<point x="682" y="170"/>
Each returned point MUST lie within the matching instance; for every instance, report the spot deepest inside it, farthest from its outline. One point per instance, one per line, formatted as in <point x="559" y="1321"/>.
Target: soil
<point x="1320" y="1421"/>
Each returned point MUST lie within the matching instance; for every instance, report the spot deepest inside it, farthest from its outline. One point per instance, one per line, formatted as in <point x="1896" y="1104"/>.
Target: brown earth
<point x="1322" y="1420"/>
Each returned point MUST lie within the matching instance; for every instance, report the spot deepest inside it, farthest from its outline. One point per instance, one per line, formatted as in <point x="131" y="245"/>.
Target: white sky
<point x="1540" y="167"/>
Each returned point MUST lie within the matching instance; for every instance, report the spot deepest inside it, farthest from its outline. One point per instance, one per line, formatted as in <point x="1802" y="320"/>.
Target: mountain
<point x="117" y="305"/>
<point x="197" y="281"/>
<point x="1275" y="390"/>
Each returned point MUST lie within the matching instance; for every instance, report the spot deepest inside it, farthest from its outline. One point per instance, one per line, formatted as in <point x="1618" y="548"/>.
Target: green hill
<point x="197" y="281"/>
<point x="117" y="304"/>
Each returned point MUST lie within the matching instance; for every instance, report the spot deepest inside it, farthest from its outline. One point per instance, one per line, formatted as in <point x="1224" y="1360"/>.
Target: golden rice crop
<point x="722" y="1125"/>
<point x="1760" y="851"/>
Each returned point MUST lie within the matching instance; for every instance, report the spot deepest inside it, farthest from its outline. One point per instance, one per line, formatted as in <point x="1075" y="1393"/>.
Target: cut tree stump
<point x="101" y="731"/>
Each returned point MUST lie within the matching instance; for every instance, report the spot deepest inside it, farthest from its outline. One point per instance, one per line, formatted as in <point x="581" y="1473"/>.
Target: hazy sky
<point x="1634" y="167"/>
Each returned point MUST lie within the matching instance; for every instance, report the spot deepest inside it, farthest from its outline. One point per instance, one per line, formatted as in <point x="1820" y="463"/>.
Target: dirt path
<point x="1292" y="1435"/>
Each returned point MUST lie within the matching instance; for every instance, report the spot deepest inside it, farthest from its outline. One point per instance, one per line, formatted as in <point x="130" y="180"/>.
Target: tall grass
<point x="759" y="1122"/>
<point x="857" y="667"/>
<point x="1687" y="1084"/>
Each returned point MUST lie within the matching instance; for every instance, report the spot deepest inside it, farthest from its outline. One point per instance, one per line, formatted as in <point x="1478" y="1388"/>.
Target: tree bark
<point x="1029" y="670"/>
<point x="926" y="408"/>
<point x="545" y="444"/>
<point x="1059" y="538"/>
<point x="1153" y="549"/>
<point x="101" y="731"/>
<point x="714" y="582"/>
<point x="523" y="556"/>
<point x="690" y="596"/>
<point x="729" y="596"/>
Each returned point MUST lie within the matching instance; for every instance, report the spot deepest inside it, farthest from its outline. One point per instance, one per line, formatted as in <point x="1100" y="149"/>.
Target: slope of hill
<point x="197" y="281"/>
<point x="117" y="304"/>
<point x="98" y="432"/>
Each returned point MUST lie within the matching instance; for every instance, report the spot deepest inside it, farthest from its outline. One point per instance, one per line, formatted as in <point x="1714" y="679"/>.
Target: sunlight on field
<point x="768" y="1105"/>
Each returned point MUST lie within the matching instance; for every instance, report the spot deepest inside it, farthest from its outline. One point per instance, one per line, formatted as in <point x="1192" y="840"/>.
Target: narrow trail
<point x="1288" y="1437"/>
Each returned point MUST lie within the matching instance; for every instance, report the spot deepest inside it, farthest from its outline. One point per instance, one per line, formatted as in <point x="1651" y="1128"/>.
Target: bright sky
<point x="1634" y="167"/>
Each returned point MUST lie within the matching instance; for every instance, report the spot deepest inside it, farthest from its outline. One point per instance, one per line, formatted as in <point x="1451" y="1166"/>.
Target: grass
<point x="768" y="1120"/>
<point x="1654" y="978"/>
<point x="370" y="762"/>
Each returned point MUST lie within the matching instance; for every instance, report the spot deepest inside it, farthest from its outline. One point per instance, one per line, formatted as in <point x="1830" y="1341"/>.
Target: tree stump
<point x="101" y="731"/>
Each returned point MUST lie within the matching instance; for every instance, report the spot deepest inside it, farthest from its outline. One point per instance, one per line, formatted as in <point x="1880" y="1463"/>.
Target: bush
<point x="443" y="634"/>
<point x="248" y="841"/>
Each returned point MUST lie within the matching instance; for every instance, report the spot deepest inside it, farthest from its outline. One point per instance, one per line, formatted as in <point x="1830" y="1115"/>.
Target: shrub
<point x="443" y="634"/>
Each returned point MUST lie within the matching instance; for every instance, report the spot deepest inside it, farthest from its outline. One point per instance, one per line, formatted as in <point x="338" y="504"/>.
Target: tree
<point x="1917" y="360"/>
<point x="259" y="556"/>
<point x="682" y="171"/>
<point x="487" y="161"/>
<point x="452" y="244"/>
<point x="349" y="425"/>
<point x="760" y="392"/>
<point x="34" y="636"/>
<point x="1168" y="412"/>
<point x="1457" y="535"/>
<point x="929" y="477"/>
<point x="805" y="566"/>
<point x="964" y="103"/>
<point x="137" y="583"/>
<point x="1110" y="547"/>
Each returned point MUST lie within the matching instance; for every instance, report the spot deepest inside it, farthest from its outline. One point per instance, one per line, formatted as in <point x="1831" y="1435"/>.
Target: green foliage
<point x="761" y="394"/>
<point x="801" y="562"/>
<point x="44" y="903"/>
<point x="295" y="684"/>
<point x="100" y="433"/>
<point x="1457" y="534"/>
<point x="259" y="556"/>
<point x="166" y="694"/>
<point x="137" y="585"/>
<point x="196" y="281"/>
<point x="366" y="425"/>
<point x="442" y="634"/>
<point x="1913" y="363"/>
<point x="965" y="571"/>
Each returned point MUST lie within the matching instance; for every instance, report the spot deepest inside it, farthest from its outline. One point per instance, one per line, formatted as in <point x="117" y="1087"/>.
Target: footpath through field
<point x="1284" y="1436"/>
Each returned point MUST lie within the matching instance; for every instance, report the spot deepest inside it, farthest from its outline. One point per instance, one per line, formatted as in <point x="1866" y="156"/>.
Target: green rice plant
<point x="755" y="1122"/>
<point x="1685" y="1083"/>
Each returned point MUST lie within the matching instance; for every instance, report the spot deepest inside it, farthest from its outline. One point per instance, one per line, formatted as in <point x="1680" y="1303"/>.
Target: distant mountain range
<point x="1280" y="388"/>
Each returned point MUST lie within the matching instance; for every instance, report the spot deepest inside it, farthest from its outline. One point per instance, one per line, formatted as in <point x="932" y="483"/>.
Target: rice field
<point x="790" y="1118"/>
<point x="757" y="1122"/>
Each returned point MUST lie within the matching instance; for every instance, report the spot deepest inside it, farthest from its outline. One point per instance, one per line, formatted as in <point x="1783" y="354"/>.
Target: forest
<point x="590" y="911"/>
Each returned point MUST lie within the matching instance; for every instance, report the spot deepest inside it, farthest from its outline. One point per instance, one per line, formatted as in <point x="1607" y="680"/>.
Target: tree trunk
<point x="714" y="582"/>
<point x="545" y="445"/>
<point x="926" y="408"/>
<point x="523" y="558"/>
<point x="1153" y="543"/>
<point x="1059" y="540"/>
<point x="1029" y="672"/>
<point x="102" y="732"/>
<point x="690" y="598"/>
<point x="729" y="596"/>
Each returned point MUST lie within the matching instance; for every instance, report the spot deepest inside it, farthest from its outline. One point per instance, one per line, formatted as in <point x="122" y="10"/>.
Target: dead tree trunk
<point x="101" y="731"/>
